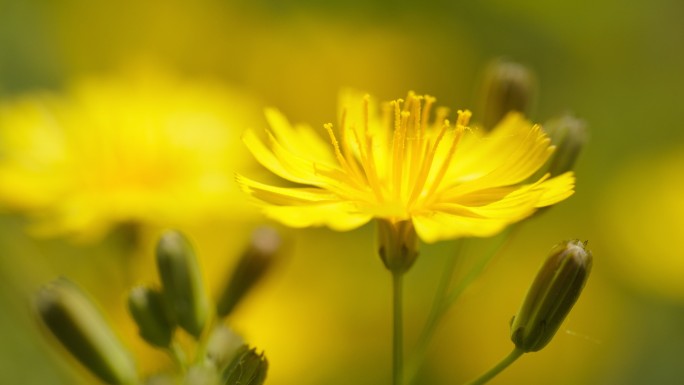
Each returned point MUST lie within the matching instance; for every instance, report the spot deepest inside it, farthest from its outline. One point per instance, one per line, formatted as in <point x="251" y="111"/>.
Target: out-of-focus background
<point x="111" y="70"/>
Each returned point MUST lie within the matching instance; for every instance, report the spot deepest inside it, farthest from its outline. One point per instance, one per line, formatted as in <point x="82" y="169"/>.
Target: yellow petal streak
<point x="449" y="179"/>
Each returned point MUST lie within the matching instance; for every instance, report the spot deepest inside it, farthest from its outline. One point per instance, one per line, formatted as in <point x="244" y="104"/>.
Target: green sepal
<point x="247" y="368"/>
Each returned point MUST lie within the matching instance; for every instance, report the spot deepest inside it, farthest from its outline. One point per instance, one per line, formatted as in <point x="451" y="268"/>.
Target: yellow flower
<point x="449" y="180"/>
<point x="145" y="147"/>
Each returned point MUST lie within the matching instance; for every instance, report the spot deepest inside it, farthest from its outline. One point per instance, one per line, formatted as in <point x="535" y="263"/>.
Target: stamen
<point x="415" y="143"/>
<point x="366" y="102"/>
<point x="346" y="144"/>
<point x="400" y="157"/>
<point x="463" y="118"/>
<point x="448" y="159"/>
<point x="428" y="158"/>
<point x="429" y="101"/>
<point x="396" y="150"/>
<point x="336" y="145"/>
<point x="368" y="164"/>
<point x="343" y="131"/>
<point x="419" y="182"/>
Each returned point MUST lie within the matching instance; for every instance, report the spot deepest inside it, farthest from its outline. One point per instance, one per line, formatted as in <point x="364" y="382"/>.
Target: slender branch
<point x="202" y="343"/>
<point x="398" y="330"/>
<point x="178" y="357"/>
<point x="498" y="368"/>
<point x="443" y="299"/>
<point x="477" y="270"/>
<point x="435" y="314"/>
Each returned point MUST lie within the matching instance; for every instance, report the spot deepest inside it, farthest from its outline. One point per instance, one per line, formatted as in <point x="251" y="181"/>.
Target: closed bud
<point x="78" y="324"/>
<point x="151" y="314"/>
<point x="551" y="296"/>
<point x="507" y="86"/>
<point x="397" y="244"/>
<point x="247" y="368"/>
<point x="255" y="261"/>
<point x="182" y="283"/>
<point x="568" y="134"/>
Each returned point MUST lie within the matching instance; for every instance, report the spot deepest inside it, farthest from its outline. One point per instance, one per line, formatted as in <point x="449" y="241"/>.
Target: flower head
<point x="448" y="179"/>
<point x="145" y="148"/>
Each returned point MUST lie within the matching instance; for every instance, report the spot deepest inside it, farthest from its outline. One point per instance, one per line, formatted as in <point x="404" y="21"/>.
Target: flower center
<point x="401" y="160"/>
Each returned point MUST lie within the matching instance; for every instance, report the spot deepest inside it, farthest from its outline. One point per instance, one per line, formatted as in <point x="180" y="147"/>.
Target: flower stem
<point x="438" y="308"/>
<point x="178" y="357"/>
<point x="446" y="295"/>
<point x="498" y="368"/>
<point x="398" y="329"/>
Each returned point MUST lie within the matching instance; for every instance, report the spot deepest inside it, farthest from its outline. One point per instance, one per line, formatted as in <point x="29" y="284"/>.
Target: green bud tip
<point x="150" y="312"/>
<point x="397" y="244"/>
<point x="182" y="283"/>
<point x="257" y="258"/>
<point x="74" y="319"/>
<point x="247" y="368"/>
<point x="507" y="86"/>
<point x="553" y="293"/>
<point x="569" y="135"/>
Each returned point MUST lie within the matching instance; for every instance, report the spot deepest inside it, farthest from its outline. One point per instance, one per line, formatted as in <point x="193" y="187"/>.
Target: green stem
<point x="201" y="352"/>
<point x="498" y="368"/>
<point x="398" y="330"/>
<point x="178" y="357"/>
<point x="477" y="270"/>
<point x="436" y="312"/>
<point x="444" y="300"/>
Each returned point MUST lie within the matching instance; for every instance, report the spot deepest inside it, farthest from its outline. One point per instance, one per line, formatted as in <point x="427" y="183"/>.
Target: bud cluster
<point x="182" y="302"/>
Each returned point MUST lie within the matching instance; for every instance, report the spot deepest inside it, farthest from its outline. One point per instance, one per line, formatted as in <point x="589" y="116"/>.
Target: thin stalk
<point x="436" y="312"/>
<point x="445" y="298"/>
<point x="201" y="351"/>
<point x="498" y="368"/>
<point x="477" y="270"/>
<point x="178" y="357"/>
<point x="397" y="330"/>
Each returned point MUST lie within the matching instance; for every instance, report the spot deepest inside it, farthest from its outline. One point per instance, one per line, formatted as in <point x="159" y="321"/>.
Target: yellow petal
<point x="440" y="226"/>
<point x="301" y="140"/>
<point x="509" y="155"/>
<point x="286" y="196"/>
<point x="337" y="216"/>
<point x="267" y="159"/>
<point x="556" y="189"/>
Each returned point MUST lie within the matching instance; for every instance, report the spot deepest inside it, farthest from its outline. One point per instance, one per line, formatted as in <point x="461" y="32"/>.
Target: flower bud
<point x="551" y="296"/>
<point x="182" y="283"/>
<point x="255" y="261"/>
<point x="74" y="319"/>
<point x="151" y="314"/>
<point x="397" y="244"/>
<point x="508" y="86"/>
<point x="247" y="368"/>
<point x="568" y="134"/>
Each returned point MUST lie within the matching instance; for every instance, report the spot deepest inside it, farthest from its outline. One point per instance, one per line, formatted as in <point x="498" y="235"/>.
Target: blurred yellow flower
<point x="146" y="147"/>
<point x="449" y="180"/>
